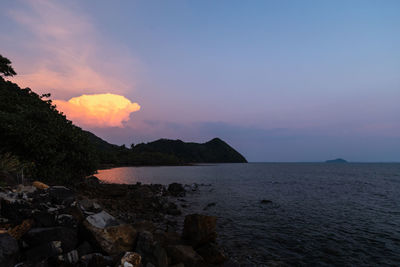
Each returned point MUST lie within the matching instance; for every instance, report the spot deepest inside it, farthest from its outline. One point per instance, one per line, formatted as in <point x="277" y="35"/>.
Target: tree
<point x="5" y="67"/>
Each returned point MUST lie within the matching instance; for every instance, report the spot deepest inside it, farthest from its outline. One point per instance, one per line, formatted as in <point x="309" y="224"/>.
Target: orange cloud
<point x="98" y="110"/>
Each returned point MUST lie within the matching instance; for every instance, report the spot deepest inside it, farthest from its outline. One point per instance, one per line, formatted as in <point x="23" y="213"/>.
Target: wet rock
<point x="113" y="239"/>
<point x="46" y="250"/>
<point x="40" y="185"/>
<point x="178" y="265"/>
<point x="209" y="205"/>
<point x="160" y="255"/>
<point x="61" y="195"/>
<point x="176" y="190"/>
<point x="172" y="209"/>
<point x="101" y="220"/>
<point x="8" y="250"/>
<point x="266" y="201"/>
<point x="131" y="259"/>
<point x="67" y="236"/>
<point x="211" y="253"/>
<point x="185" y="254"/>
<point x="199" y="229"/>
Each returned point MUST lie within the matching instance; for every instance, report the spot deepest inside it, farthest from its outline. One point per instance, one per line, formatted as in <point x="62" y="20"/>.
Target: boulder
<point x="199" y="229"/>
<point x="18" y="231"/>
<point x="8" y="250"/>
<point x="15" y="210"/>
<point x="185" y="254"/>
<point x="69" y="258"/>
<point x="61" y="195"/>
<point x="112" y="239"/>
<point x="212" y="253"/>
<point x="40" y="185"/>
<point x="176" y="190"/>
<point x="44" y="219"/>
<point x="67" y="236"/>
<point x="131" y="259"/>
<point x="43" y="251"/>
<point x="84" y="249"/>
<point x="145" y="242"/>
<point x="101" y="220"/>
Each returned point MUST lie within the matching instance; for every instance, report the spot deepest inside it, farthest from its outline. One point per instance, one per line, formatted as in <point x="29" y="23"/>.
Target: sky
<point x="277" y="80"/>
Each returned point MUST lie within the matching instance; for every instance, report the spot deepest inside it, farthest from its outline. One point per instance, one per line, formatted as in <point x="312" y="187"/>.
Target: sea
<point x="313" y="214"/>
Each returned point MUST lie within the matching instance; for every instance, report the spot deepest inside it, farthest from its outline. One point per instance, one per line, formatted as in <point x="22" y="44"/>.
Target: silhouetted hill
<point x="213" y="151"/>
<point x="166" y="152"/>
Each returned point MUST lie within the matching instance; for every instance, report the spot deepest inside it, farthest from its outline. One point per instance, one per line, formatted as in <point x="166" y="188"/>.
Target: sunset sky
<point x="278" y="80"/>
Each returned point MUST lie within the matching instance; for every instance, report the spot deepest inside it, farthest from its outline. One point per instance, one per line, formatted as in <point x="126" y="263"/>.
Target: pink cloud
<point x="65" y="55"/>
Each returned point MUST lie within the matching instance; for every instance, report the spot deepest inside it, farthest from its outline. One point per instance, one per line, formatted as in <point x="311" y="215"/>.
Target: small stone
<point x="131" y="259"/>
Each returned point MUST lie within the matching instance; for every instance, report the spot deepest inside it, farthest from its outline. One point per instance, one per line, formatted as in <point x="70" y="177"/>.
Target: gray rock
<point x="61" y="195"/>
<point x="102" y="220"/>
<point x="186" y="255"/>
<point x="8" y="250"/>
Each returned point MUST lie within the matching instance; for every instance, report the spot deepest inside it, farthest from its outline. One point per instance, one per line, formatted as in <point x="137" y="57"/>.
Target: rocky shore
<point x="97" y="224"/>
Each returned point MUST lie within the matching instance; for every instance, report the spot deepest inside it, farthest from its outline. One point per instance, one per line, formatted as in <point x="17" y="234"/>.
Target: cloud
<point x="98" y="110"/>
<point x="62" y="52"/>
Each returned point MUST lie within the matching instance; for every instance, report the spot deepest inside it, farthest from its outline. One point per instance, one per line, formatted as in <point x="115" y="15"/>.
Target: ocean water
<point x="319" y="215"/>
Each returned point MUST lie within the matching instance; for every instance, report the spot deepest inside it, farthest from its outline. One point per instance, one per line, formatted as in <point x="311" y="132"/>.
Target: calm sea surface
<point x="320" y="214"/>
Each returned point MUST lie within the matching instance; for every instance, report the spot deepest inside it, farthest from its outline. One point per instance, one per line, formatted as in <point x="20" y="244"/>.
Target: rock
<point x="211" y="253"/>
<point x="185" y="254"/>
<point x="131" y="259"/>
<point x="18" y="231"/>
<point x="25" y="189"/>
<point x="176" y="190"/>
<point x="15" y="210"/>
<point x="85" y="248"/>
<point x="66" y="220"/>
<point x="209" y="205"/>
<point x="46" y="250"/>
<point x="40" y="185"/>
<point x="113" y="239"/>
<point x="199" y="229"/>
<point x="61" y="195"/>
<point x="71" y="257"/>
<point x="160" y="255"/>
<point x="89" y="206"/>
<point x="44" y="219"/>
<point x="232" y="263"/>
<point x="266" y="201"/>
<point x="172" y="209"/>
<point x="149" y="264"/>
<point x="178" y="265"/>
<point x="8" y="250"/>
<point x="67" y="236"/>
<point x="101" y="220"/>
<point x="145" y="242"/>
<point x="96" y="260"/>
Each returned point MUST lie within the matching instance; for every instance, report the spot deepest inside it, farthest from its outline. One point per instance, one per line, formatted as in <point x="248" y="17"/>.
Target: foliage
<point x="5" y="67"/>
<point x="33" y="130"/>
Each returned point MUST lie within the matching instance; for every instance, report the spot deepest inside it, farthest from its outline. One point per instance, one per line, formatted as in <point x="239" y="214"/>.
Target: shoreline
<point x="114" y="220"/>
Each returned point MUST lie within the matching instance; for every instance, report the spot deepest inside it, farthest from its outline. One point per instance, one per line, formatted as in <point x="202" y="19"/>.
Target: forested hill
<point x="166" y="152"/>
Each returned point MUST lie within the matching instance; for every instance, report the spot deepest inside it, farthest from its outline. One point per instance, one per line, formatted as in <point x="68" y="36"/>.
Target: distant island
<point x="338" y="160"/>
